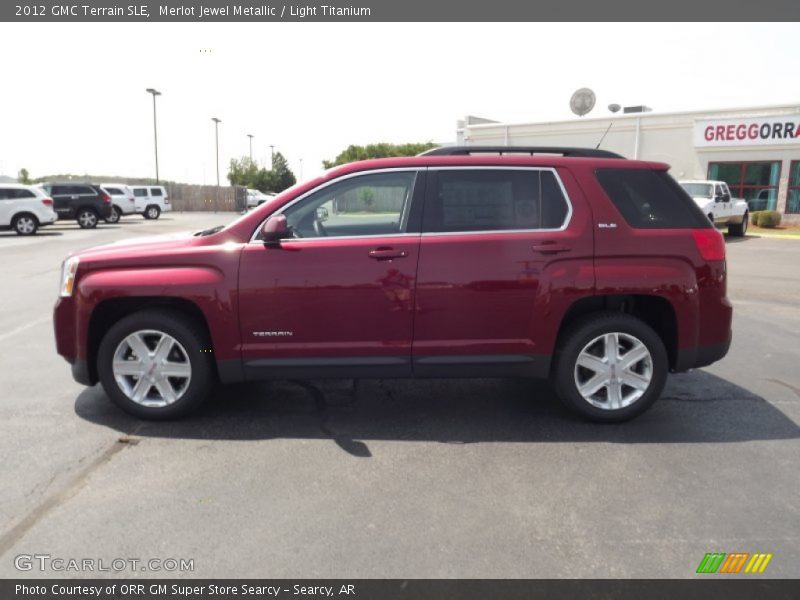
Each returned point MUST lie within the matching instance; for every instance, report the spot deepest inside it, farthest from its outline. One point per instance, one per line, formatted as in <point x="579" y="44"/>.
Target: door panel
<point x="318" y="305"/>
<point x="486" y="300"/>
<point x="327" y="302"/>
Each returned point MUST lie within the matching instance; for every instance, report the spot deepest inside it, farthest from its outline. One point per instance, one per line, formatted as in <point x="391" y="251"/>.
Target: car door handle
<point x="387" y="253"/>
<point x="550" y="248"/>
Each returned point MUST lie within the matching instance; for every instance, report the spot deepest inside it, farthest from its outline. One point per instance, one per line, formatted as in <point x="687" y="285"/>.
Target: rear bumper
<point x="701" y="356"/>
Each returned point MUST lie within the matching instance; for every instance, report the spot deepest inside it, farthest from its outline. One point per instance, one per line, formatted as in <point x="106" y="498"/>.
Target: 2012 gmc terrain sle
<point x="580" y="266"/>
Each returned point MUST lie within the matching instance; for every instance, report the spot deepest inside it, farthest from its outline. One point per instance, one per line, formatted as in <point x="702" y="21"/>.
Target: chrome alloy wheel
<point x="613" y="371"/>
<point x="152" y="212"/>
<point x="25" y="225"/>
<point x="152" y="368"/>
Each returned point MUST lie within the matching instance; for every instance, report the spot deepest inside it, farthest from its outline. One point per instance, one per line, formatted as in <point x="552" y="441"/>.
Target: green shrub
<point x="754" y="216"/>
<point x="769" y="219"/>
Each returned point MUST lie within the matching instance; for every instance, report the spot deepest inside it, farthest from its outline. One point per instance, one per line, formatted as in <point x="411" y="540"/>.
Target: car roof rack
<point x="559" y="150"/>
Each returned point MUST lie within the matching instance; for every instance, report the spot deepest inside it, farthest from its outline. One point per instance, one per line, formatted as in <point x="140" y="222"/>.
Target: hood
<point x="151" y="244"/>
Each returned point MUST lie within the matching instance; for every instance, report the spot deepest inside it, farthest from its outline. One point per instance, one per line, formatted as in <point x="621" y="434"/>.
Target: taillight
<point x="105" y="198"/>
<point x="710" y="243"/>
<point x="48" y="202"/>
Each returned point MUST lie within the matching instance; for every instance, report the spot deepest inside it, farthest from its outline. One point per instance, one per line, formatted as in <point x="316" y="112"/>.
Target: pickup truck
<point x="714" y="199"/>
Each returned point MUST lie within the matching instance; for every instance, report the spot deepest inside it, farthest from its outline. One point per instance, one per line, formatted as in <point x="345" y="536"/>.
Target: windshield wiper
<point x="209" y="231"/>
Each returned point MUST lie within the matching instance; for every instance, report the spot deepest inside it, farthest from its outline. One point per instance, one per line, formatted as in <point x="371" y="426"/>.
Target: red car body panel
<point x="446" y="299"/>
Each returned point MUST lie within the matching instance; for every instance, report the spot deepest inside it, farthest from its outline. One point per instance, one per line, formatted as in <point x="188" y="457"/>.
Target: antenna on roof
<point x="604" y="136"/>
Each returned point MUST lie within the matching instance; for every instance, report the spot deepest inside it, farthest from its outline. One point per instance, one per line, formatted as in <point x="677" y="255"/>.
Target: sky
<point x="79" y="103"/>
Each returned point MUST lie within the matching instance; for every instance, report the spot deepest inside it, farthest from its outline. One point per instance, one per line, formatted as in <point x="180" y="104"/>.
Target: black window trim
<point x="416" y="196"/>
<point x="553" y="170"/>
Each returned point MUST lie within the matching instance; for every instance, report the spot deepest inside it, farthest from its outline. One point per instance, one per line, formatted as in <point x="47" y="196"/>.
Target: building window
<point x="756" y="182"/>
<point x="793" y="197"/>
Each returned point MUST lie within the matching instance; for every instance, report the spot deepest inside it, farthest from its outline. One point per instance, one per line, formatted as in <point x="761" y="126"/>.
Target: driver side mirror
<point x="275" y="229"/>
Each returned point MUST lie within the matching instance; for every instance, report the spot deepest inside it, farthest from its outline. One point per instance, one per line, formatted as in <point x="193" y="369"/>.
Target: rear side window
<point x="651" y="199"/>
<point x="114" y="191"/>
<point x="494" y="200"/>
<point x="21" y="193"/>
<point x="155" y="192"/>
<point x="139" y="192"/>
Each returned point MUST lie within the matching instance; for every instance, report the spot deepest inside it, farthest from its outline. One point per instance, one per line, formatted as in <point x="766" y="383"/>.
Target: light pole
<point x="251" y="136"/>
<point x="155" y="93"/>
<point x="216" y="140"/>
<point x="271" y="156"/>
<point x="301" y="169"/>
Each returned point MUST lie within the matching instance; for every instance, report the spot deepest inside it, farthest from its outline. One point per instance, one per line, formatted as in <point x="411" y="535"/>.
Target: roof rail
<point x="572" y="152"/>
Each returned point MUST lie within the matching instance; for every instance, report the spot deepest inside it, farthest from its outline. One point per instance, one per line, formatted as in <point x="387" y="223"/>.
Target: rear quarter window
<point x="651" y="199"/>
<point x="140" y="192"/>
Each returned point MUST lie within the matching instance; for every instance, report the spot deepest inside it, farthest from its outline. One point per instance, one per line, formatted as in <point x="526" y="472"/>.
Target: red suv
<point x="580" y="266"/>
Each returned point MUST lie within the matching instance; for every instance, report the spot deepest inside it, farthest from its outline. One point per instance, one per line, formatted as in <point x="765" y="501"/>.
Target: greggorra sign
<point x="759" y="131"/>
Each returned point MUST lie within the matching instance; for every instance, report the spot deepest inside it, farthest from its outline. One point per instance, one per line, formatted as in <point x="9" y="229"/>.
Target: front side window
<point x="373" y="204"/>
<point x="465" y="200"/>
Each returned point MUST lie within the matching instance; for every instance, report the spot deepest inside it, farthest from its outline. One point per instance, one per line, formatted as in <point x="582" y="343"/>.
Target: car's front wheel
<point x="25" y="224"/>
<point x="87" y="218"/>
<point x="610" y="367"/>
<point x="115" y="216"/>
<point x="156" y="364"/>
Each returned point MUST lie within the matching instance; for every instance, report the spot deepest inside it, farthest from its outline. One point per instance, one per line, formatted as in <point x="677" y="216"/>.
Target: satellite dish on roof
<point x="582" y="101"/>
<point x="614" y="108"/>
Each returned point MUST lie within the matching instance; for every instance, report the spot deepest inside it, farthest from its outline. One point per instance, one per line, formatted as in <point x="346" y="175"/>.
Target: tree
<point x="247" y="173"/>
<point x="353" y="153"/>
<point x="243" y="172"/>
<point x="281" y="176"/>
<point x="23" y="176"/>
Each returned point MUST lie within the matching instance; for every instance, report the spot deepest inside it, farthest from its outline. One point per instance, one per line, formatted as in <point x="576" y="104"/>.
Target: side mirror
<point x="275" y="229"/>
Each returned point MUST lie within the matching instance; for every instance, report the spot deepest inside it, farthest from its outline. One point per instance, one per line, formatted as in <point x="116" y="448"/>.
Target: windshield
<point x="698" y="190"/>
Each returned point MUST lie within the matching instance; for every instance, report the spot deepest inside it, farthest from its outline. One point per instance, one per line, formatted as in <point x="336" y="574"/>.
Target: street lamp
<point x="155" y="93"/>
<point x="301" y="169"/>
<point x="216" y="139"/>
<point x="271" y="156"/>
<point x="251" y="136"/>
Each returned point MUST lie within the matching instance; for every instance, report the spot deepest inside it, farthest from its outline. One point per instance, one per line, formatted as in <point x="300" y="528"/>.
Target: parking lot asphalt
<point x="403" y="479"/>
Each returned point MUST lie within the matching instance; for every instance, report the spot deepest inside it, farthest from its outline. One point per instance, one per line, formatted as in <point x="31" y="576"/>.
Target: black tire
<point x="86" y="218"/>
<point x="152" y="212"/>
<point x="576" y="338"/>
<point x="25" y="224"/>
<point x="115" y="216"/>
<point x="191" y="337"/>
<point x="741" y="229"/>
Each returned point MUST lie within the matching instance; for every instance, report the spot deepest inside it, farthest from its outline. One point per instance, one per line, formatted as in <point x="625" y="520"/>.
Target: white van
<point x="151" y="200"/>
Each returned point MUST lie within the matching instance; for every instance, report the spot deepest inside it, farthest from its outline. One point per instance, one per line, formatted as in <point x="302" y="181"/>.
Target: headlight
<point x="68" y="270"/>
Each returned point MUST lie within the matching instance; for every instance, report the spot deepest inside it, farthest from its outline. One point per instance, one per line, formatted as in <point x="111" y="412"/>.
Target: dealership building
<point x="756" y="150"/>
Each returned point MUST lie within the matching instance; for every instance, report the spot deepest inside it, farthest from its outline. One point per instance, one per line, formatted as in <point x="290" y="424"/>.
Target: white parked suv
<point x="714" y="199"/>
<point x="25" y="208"/>
<point x="123" y="202"/>
<point x="151" y="200"/>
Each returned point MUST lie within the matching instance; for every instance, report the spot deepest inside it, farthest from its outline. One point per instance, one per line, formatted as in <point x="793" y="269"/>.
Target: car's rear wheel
<point x="741" y="229"/>
<point x="156" y="364"/>
<point x="115" y="216"/>
<point x="152" y="212"/>
<point x="25" y="224"/>
<point x="87" y="218"/>
<point x="610" y="367"/>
